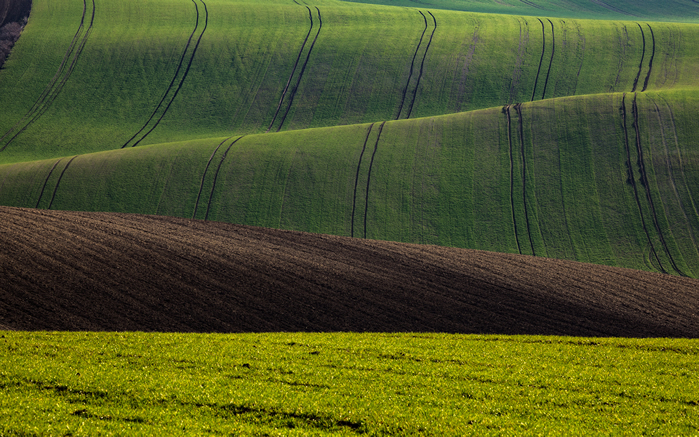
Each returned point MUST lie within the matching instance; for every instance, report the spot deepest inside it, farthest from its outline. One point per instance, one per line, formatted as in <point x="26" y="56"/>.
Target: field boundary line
<point x="553" y="51"/>
<point x="356" y="178"/>
<point x="41" y="194"/>
<point x="422" y="66"/>
<point x="412" y="66"/>
<point x="368" y="179"/>
<point x="640" y="65"/>
<point x="218" y="169"/>
<point x="291" y="76"/>
<point x="506" y="111"/>
<point x="518" y="110"/>
<point x="203" y="176"/>
<point x="631" y="179"/>
<point x="543" y="50"/>
<point x="58" y="182"/>
<point x="650" y="64"/>
<point x="303" y="69"/>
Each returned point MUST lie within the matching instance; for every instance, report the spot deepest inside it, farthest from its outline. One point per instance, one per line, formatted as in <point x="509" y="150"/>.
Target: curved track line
<point x="203" y="176"/>
<point x="356" y="179"/>
<point x="640" y="65"/>
<point x="53" y="89"/>
<point x="631" y="179"/>
<point x="303" y="69"/>
<point x="646" y="185"/>
<point x="41" y="194"/>
<point x="218" y="169"/>
<point x="506" y="111"/>
<point x="650" y="64"/>
<point x="368" y="179"/>
<point x="58" y="182"/>
<point x="518" y="109"/>
<point x="186" y="72"/>
<point x="412" y="64"/>
<point x="172" y="82"/>
<point x="422" y="65"/>
<point x="298" y="58"/>
<point x="543" y="49"/>
<point x="553" y="51"/>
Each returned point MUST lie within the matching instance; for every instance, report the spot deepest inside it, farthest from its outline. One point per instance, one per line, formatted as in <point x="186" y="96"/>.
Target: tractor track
<point x="55" y="86"/>
<point x="184" y="77"/>
<point x="46" y="181"/>
<point x="58" y="182"/>
<point x="646" y="185"/>
<point x="356" y="179"/>
<point x="640" y="65"/>
<point x="368" y="179"/>
<point x="412" y="66"/>
<point x="506" y="111"/>
<point x="631" y="179"/>
<point x="528" y="3"/>
<point x="543" y="50"/>
<point x="218" y="169"/>
<point x="422" y="64"/>
<point x="553" y="51"/>
<point x="518" y="109"/>
<point x="298" y="58"/>
<point x="203" y="176"/>
<point x="650" y="63"/>
<point x="303" y="69"/>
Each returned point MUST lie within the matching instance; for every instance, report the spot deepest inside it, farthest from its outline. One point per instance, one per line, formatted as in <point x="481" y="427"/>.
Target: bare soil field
<point x="104" y="271"/>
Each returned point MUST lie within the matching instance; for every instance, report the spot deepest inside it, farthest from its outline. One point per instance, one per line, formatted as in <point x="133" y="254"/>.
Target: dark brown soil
<point x="99" y="271"/>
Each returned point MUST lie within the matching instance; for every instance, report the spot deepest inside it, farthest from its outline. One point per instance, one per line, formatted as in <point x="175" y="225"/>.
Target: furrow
<point x="368" y="181"/>
<point x="543" y="49"/>
<point x="356" y="179"/>
<point x="303" y="69"/>
<point x="218" y="169"/>
<point x="186" y="72"/>
<point x="203" y="176"/>
<point x="412" y="66"/>
<point x="43" y="187"/>
<point x="650" y="64"/>
<point x="646" y="185"/>
<point x="172" y="82"/>
<point x="518" y="109"/>
<point x="506" y="110"/>
<point x="422" y="66"/>
<point x="293" y="70"/>
<point x="55" y="189"/>
<point x="553" y="51"/>
<point x="640" y="65"/>
<point x="631" y="179"/>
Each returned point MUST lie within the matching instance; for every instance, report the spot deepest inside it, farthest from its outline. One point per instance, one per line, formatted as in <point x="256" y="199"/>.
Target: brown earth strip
<point x="543" y="49"/>
<point x="118" y="272"/>
<point x="172" y="82"/>
<point x="632" y="180"/>
<point x="518" y="109"/>
<point x="640" y="65"/>
<point x="218" y="169"/>
<point x="43" y="187"/>
<point x="293" y="70"/>
<point x="356" y="179"/>
<point x="203" y="176"/>
<point x="303" y="69"/>
<point x="422" y="65"/>
<point x="650" y="64"/>
<point x="506" y="111"/>
<point x="646" y="185"/>
<point x="553" y="51"/>
<point x="412" y="66"/>
<point x="368" y="179"/>
<point x="58" y="182"/>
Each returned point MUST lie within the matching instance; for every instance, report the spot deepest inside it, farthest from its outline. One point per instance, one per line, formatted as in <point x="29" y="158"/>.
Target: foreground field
<point x="345" y="384"/>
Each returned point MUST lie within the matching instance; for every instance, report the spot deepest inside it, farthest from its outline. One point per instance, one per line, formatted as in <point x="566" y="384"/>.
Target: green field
<point x="566" y="134"/>
<point x="345" y="384"/>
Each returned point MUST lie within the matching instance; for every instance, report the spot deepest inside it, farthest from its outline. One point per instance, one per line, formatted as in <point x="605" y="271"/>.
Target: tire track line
<point x="640" y="65"/>
<point x="41" y="194"/>
<point x="518" y="109"/>
<point x="53" y="89"/>
<point x="356" y="179"/>
<point x="646" y="185"/>
<point x="422" y="64"/>
<point x="412" y="65"/>
<point x="543" y="49"/>
<point x="203" y="176"/>
<point x="553" y="51"/>
<point x="368" y="180"/>
<point x="298" y="58"/>
<point x="303" y="69"/>
<point x="55" y="189"/>
<point x="218" y="169"/>
<point x="650" y="64"/>
<point x="631" y="179"/>
<point x="506" y="111"/>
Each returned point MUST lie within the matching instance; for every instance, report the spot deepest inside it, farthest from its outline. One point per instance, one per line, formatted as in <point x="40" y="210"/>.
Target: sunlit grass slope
<point x="345" y="384"/>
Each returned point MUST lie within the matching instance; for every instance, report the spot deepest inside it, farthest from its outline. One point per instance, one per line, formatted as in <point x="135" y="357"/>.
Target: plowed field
<point x="107" y="271"/>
